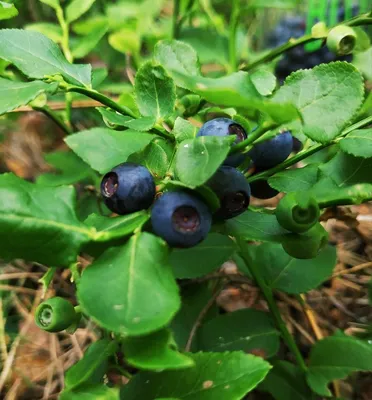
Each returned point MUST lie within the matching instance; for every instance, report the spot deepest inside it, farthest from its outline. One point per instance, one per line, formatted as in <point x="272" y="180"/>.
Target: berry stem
<point x="93" y="94"/>
<point x="306" y="153"/>
<point x="268" y="294"/>
<point x="175" y="21"/>
<point x="278" y="51"/>
<point x="54" y="117"/>
<point x="253" y="136"/>
<point x="364" y="19"/>
<point x="234" y="20"/>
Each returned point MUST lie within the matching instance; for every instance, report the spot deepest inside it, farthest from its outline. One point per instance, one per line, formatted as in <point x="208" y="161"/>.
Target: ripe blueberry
<point x="181" y="219"/>
<point x="225" y="127"/>
<point x="272" y="152"/>
<point x="128" y="188"/>
<point x="232" y="189"/>
<point x="262" y="190"/>
<point x="298" y="58"/>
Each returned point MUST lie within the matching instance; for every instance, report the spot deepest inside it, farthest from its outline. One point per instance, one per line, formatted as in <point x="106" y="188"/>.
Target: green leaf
<point x="138" y="293"/>
<point x="155" y="352"/>
<point x="363" y="62"/>
<point x="194" y="299"/>
<point x="52" y="3"/>
<point x="286" y="381"/>
<point x="77" y="8"/>
<point x="174" y="55"/>
<point x="126" y="40"/>
<point x="237" y="90"/>
<point x="115" y="120"/>
<point x="70" y="169"/>
<point x="14" y="94"/>
<point x="292" y="275"/>
<point x="248" y="330"/>
<point x="104" y="148"/>
<point x="203" y="258"/>
<point x="156" y="157"/>
<point x="39" y="223"/>
<point x="183" y="129"/>
<point x="294" y="180"/>
<point x="84" y="27"/>
<point x="37" y="57"/>
<point x="334" y="358"/>
<point x="7" y="10"/>
<point x="52" y="31"/>
<point x="111" y="228"/>
<point x="345" y="169"/>
<point x="88" y="204"/>
<point x="215" y="376"/>
<point x="328" y="96"/>
<point x="206" y="193"/>
<point x="89" y="392"/>
<point x="255" y="225"/>
<point x="212" y="49"/>
<point x="264" y="81"/>
<point x="358" y="143"/>
<point x="198" y="159"/>
<point x="327" y="192"/>
<point x="85" y="44"/>
<point x="96" y="355"/>
<point x="155" y="92"/>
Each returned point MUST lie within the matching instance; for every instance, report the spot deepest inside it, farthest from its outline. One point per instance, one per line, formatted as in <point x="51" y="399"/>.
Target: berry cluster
<point x="298" y="58"/>
<point x="181" y="218"/>
<point x="267" y="155"/>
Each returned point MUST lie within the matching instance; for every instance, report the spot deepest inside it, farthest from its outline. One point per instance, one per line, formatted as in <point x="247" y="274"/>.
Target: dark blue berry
<point x="262" y="190"/>
<point x="297" y="58"/>
<point x="272" y="152"/>
<point x="128" y="188"/>
<point x="225" y="127"/>
<point x="181" y="219"/>
<point x="232" y="189"/>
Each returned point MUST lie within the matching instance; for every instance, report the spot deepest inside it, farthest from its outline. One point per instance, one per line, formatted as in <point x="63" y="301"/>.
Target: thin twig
<point x="9" y="361"/>
<point x="303" y="332"/>
<point x="199" y="320"/>
<point x="60" y="105"/>
<point x="310" y="317"/>
<point x="17" y="289"/>
<point x="4" y="351"/>
<point x="19" y="275"/>
<point x="356" y="268"/>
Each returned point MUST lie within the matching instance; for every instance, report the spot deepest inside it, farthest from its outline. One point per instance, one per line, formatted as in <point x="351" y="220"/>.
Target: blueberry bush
<point x="176" y="152"/>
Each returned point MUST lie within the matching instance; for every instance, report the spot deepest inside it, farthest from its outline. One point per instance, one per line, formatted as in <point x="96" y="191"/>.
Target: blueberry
<point x="181" y="219"/>
<point x="128" y="188"/>
<point x="232" y="189"/>
<point x="262" y="190"/>
<point x="224" y="127"/>
<point x="297" y="145"/>
<point x="272" y="152"/>
<point x="297" y="58"/>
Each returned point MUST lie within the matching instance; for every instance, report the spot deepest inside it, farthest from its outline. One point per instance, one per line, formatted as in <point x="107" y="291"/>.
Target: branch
<point x="306" y="153"/>
<point x="54" y="117"/>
